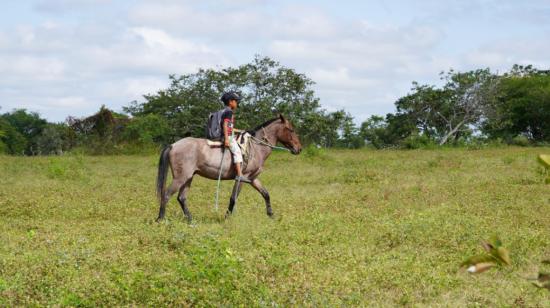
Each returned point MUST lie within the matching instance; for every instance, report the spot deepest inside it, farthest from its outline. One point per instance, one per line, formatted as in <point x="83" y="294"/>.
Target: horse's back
<point x="195" y="154"/>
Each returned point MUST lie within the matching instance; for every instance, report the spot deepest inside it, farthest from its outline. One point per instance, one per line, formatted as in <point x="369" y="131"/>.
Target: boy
<point x="231" y="100"/>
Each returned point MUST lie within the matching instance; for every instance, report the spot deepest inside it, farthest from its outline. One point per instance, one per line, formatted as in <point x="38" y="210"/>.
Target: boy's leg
<point x="238" y="169"/>
<point x="237" y="156"/>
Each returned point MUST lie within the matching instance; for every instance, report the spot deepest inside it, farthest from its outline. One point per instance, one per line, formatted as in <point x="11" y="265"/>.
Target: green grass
<point x="377" y="228"/>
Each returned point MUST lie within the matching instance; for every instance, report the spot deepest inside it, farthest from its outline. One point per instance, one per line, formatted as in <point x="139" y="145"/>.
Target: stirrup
<point x="242" y="179"/>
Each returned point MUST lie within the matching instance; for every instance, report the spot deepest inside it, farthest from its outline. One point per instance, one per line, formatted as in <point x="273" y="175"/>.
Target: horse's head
<point x="288" y="137"/>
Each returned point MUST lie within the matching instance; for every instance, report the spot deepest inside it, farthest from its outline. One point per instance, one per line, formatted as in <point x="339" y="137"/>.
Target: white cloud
<point x="24" y="68"/>
<point x="62" y="6"/>
<point x="68" y="102"/>
<point x="80" y="54"/>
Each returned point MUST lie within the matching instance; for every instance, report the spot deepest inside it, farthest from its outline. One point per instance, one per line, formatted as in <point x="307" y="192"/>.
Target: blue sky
<point x="68" y="57"/>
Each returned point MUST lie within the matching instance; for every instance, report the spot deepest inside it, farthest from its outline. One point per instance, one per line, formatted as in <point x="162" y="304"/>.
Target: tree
<point x="521" y="107"/>
<point x="373" y="131"/>
<point x="55" y="139"/>
<point x="99" y="132"/>
<point x="470" y="92"/>
<point x="14" y="143"/>
<point x="447" y="113"/>
<point x="266" y="86"/>
<point x="350" y="136"/>
<point x="27" y="126"/>
<point x="147" y="129"/>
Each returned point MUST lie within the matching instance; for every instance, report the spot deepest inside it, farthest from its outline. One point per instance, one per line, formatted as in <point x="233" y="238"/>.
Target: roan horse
<point x="190" y="156"/>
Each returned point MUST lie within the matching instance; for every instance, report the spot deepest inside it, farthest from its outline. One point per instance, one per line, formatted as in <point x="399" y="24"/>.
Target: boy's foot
<point x="242" y="179"/>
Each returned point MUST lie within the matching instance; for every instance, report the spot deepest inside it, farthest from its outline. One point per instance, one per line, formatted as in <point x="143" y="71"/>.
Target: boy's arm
<point x="225" y="134"/>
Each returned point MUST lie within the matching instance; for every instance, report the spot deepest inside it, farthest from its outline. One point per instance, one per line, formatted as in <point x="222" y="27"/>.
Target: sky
<point x="69" y="57"/>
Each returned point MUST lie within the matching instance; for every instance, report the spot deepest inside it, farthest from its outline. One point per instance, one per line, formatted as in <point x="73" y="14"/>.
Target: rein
<point x="266" y="142"/>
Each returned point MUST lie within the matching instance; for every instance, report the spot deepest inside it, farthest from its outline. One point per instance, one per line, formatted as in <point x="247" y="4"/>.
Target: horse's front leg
<point x="233" y="200"/>
<point x="258" y="186"/>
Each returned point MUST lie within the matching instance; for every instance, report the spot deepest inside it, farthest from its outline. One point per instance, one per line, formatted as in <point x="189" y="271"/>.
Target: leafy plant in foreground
<point x="544" y="160"/>
<point x="497" y="255"/>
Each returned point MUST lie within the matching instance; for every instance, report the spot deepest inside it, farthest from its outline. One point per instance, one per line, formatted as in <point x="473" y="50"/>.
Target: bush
<point x="12" y="142"/>
<point x="520" y="140"/>
<point x="67" y="168"/>
<point x="313" y="151"/>
<point x="147" y="129"/>
<point x="54" y="139"/>
<point x="23" y="129"/>
<point x="418" y="141"/>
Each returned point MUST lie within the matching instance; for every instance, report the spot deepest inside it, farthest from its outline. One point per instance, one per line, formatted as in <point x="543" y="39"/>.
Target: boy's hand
<point x="226" y="143"/>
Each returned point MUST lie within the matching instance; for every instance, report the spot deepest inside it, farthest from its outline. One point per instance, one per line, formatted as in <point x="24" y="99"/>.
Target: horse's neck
<point x="266" y="134"/>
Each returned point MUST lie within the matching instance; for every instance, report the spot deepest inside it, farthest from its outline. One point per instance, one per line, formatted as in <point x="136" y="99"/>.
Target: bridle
<point x="265" y="142"/>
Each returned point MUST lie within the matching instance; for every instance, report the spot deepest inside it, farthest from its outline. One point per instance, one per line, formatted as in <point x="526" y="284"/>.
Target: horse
<point x="190" y="156"/>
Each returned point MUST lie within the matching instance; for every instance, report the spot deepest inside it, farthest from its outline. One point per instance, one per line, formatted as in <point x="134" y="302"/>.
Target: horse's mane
<point x="266" y="123"/>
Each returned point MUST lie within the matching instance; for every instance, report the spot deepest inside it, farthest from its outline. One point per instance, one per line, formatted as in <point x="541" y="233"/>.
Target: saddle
<point x="243" y="140"/>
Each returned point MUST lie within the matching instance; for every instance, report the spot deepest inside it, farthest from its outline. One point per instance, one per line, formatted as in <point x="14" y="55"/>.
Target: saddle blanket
<point x="243" y="140"/>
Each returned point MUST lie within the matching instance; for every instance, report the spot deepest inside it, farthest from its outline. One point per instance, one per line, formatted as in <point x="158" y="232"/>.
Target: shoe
<point x="242" y="179"/>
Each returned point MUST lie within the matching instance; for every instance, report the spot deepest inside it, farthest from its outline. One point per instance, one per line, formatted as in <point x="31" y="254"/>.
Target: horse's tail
<point x="163" y="171"/>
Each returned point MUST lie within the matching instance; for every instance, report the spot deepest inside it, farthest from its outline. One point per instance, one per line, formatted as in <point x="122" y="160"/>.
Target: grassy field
<point x="376" y="228"/>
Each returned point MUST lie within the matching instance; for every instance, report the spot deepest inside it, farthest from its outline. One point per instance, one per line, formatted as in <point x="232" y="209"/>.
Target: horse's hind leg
<point x="171" y="190"/>
<point x="182" y="199"/>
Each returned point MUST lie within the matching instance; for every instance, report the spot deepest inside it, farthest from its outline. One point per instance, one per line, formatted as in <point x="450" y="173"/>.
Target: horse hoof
<point x="159" y="219"/>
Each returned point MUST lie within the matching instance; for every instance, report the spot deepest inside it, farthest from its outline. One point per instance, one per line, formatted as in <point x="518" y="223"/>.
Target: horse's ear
<point x="282" y="118"/>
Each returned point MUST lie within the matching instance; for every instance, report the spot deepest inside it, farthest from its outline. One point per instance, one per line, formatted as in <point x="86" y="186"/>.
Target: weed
<point x="67" y="168"/>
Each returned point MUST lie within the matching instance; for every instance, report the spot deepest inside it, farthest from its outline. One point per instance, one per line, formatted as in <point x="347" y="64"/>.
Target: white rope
<point x="219" y="179"/>
<point x="268" y="144"/>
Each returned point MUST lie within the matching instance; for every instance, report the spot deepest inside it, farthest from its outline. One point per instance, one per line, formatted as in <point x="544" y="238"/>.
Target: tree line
<point x="473" y="107"/>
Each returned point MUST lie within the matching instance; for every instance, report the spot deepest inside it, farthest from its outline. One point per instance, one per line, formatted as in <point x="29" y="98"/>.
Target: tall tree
<point x="27" y="127"/>
<point x="267" y="88"/>
<point x="447" y="113"/>
<point x="521" y="106"/>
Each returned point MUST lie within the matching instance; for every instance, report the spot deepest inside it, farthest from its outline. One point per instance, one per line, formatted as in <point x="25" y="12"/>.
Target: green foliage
<point x="514" y="107"/>
<point x="381" y="133"/>
<point x="55" y="139"/>
<point x="313" y="151"/>
<point x="447" y="113"/>
<point x="147" y="129"/>
<point x="99" y="133"/>
<point x="12" y="141"/>
<point x="373" y="130"/>
<point x="418" y="142"/>
<point x="267" y="88"/>
<point x="522" y="107"/>
<point x="520" y="141"/>
<point x="69" y="168"/>
<point x="544" y="160"/>
<point x="26" y="127"/>
<point x="473" y="109"/>
<point x="351" y="138"/>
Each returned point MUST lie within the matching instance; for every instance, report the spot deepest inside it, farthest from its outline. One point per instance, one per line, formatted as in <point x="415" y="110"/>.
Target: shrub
<point x="520" y="140"/>
<point x="54" y="139"/>
<point x="313" y="151"/>
<point x="417" y="142"/>
<point x="150" y="128"/>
